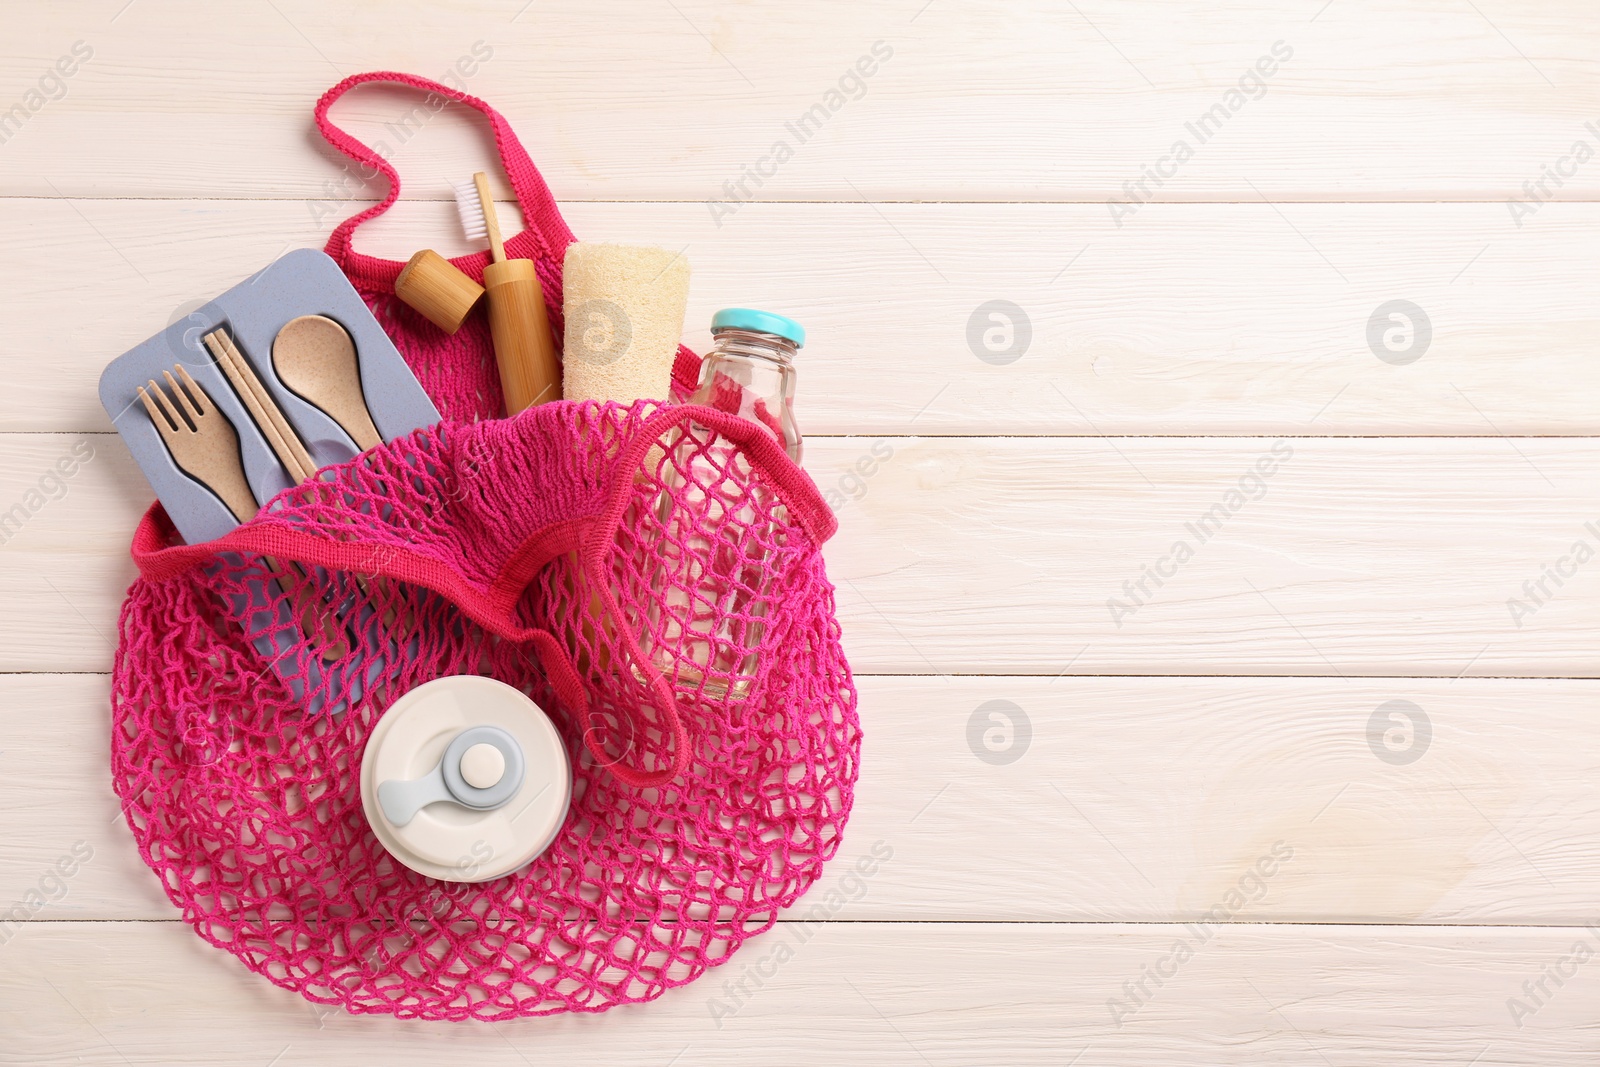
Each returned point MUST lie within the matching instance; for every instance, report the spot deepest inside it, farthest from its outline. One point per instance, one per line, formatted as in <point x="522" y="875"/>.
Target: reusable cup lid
<point x="465" y="779"/>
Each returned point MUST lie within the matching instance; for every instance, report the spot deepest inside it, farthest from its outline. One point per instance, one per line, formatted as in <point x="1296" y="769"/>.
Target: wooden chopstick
<point x="286" y="445"/>
<point x="316" y="623"/>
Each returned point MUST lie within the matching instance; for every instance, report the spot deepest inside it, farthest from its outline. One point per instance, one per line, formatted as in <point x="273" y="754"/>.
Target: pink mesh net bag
<point x="650" y="575"/>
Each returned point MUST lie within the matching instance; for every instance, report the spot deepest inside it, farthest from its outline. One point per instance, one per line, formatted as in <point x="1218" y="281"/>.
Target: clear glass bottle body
<point x="707" y="635"/>
<point x="752" y="375"/>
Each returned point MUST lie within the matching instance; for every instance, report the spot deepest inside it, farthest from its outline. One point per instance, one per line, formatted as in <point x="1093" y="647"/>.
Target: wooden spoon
<point x="314" y="357"/>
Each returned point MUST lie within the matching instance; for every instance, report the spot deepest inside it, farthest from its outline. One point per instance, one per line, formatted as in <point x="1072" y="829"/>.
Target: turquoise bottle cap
<point x="760" y="322"/>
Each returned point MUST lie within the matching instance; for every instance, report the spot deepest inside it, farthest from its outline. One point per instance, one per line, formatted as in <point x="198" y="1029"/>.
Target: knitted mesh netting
<point x="651" y="576"/>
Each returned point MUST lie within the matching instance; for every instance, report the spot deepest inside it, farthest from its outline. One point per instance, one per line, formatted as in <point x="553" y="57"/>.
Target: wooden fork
<point x="201" y="439"/>
<point x="205" y="446"/>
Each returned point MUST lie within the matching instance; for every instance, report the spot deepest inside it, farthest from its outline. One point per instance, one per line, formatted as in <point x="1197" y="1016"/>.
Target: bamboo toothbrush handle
<point x="497" y="248"/>
<point x="524" y="350"/>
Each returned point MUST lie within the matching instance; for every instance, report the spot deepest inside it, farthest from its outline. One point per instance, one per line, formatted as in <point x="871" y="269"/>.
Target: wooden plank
<point x="1358" y="557"/>
<point x="979" y="101"/>
<point x="1072" y="799"/>
<point x="916" y="994"/>
<point x="1192" y="319"/>
<point x="979" y="571"/>
<point x="1025" y="556"/>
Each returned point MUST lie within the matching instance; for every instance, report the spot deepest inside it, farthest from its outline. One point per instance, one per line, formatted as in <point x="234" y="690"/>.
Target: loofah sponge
<point x="624" y="307"/>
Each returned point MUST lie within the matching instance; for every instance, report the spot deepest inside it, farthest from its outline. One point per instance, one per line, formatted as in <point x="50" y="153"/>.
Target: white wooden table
<point x="1389" y="883"/>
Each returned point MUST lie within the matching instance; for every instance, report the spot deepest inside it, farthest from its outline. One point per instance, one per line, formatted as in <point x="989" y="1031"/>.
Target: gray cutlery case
<point x="302" y="282"/>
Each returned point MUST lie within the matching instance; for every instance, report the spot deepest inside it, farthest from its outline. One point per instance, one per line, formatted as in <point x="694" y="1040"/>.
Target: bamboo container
<point x="530" y="371"/>
<point x="438" y="290"/>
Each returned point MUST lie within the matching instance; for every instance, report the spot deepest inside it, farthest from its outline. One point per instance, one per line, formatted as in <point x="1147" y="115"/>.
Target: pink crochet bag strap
<point x="544" y="241"/>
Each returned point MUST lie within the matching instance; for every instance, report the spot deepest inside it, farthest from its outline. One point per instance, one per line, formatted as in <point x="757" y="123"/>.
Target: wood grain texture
<point x="1017" y="556"/>
<point x="1420" y="100"/>
<point x="1071" y="799"/>
<point x="1264" y="698"/>
<point x="915" y="994"/>
<point x="1191" y="319"/>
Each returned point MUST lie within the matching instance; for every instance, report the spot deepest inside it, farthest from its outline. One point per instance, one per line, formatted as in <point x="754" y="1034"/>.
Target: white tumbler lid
<point x="498" y="804"/>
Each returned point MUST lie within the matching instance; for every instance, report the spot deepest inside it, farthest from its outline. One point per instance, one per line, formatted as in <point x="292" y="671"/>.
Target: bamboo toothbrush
<point x="524" y="349"/>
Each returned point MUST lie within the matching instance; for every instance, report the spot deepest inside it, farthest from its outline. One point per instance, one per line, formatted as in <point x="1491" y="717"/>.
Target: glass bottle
<point x="750" y="371"/>
<point x="707" y="634"/>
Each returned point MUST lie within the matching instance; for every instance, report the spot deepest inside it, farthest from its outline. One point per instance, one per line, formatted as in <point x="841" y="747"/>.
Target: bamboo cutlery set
<point x="284" y="374"/>
<point x="313" y="355"/>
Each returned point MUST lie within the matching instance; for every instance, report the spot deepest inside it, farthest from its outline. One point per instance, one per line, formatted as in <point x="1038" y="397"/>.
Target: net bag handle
<point x="549" y="234"/>
<point x="799" y="494"/>
<point x="544" y="241"/>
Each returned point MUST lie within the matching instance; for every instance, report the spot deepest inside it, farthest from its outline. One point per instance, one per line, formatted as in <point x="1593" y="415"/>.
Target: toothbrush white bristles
<point x="475" y="205"/>
<point x="473" y="221"/>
